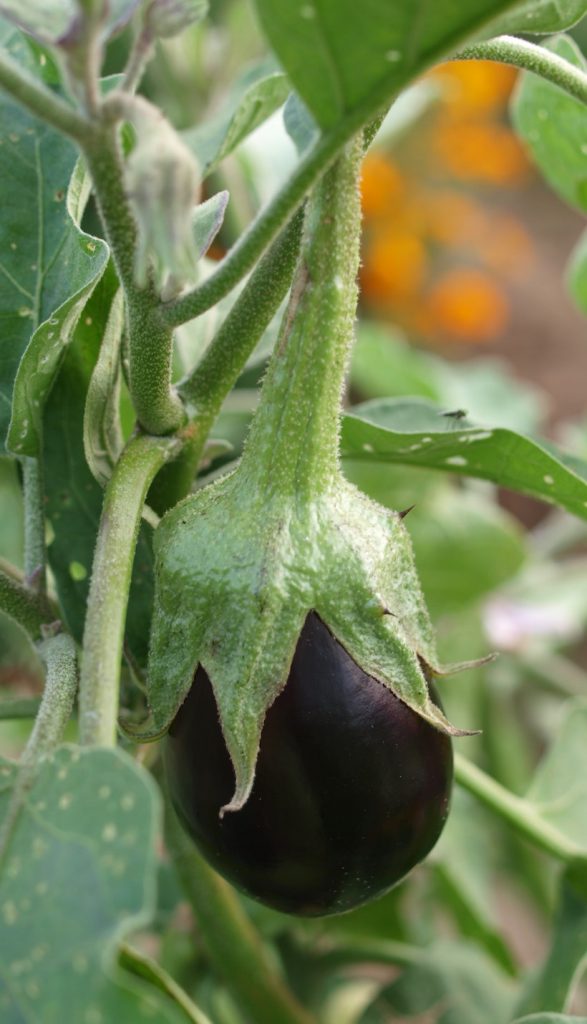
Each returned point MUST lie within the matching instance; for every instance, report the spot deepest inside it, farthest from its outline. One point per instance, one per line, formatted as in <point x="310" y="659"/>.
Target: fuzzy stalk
<point x="294" y="441"/>
<point x="35" y="555"/>
<point x="150" y="341"/>
<point x="110" y="585"/>
<point x="22" y="604"/>
<point x="520" y="53"/>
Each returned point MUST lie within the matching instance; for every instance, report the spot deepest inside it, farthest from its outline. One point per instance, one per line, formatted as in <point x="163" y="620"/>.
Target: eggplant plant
<point x="248" y="716"/>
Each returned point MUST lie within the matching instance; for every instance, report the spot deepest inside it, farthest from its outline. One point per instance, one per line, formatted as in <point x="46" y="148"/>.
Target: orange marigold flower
<point x="394" y="266"/>
<point x="476" y="87"/>
<point x="468" y="305"/>
<point x="480" y="151"/>
<point x="382" y="185"/>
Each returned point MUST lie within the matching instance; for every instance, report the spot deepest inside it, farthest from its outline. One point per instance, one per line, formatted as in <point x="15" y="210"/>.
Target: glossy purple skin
<point x="352" y="787"/>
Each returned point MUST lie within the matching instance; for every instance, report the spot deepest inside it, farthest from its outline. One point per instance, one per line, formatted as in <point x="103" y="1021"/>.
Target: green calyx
<point x="241" y="564"/>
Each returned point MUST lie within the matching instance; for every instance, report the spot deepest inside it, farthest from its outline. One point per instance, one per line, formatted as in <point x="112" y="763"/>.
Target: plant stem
<point x="110" y="584"/>
<point x="22" y="604"/>
<point x="207" y="386"/>
<point x="518" y="812"/>
<point x="35" y="555"/>
<point x="234" y="947"/>
<point x="530" y="57"/>
<point x="259" y="235"/>
<point x="40" y="101"/>
<point x="150" y="341"/>
<point x="293" y="442"/>
<point x="55" y="710"/>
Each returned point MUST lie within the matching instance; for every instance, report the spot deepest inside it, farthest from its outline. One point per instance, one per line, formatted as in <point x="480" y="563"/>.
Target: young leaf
<point x="69" y="265"/>
<point x="416" y="433"/>
<point x="347" y="58"/>
<point x="102" y="431"/>
<point x="249" y="104"/>
<point x="554" y="127"/>
<point x="577" y="273"/>
<point x="538" y="17"/>
<point x="79" y="874"/>
<point x="207" y="221"/>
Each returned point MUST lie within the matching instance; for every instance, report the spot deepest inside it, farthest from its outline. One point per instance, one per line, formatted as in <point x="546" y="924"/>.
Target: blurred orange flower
<point x="436" y="257"/>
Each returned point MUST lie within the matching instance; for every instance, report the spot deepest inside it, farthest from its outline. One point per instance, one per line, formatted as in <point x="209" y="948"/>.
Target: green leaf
<point x="345" y="58"/>
<point x="463" y="985"/>
<point x="55" y="21"/>
<point x="252" y="100"/>
<point x="554" y="127"/>
<point x="385" y="365"/>
<point x="144" y="967"/>
<point x="102" y="430"/>
<point x="559" y="787"/>
<point x="207" y="221"/>
<point x="80" y="874"/>
<point x="553" y="987"/>
<point x="299" y="123"/>
<point x="577" y="273"/>
<point x="48" y="266"/>
<point x="416" y="433"/>
<point x="74" y="498"/>
<point x="539" y="17"/>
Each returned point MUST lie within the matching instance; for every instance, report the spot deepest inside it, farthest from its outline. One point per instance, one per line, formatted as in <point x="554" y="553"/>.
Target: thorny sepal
<point x="241" y="564"/>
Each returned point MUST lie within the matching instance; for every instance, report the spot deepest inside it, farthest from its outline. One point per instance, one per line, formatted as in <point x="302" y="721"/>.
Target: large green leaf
<point x="539" y="17"/>
<point x="554" y="127"/>
<point x="79" y="874"/>
<point x="346" y="58"/>
<point x="251" y="101"/>
<point x="417" y="433"/>
<point x="48" y="265"/>
<point x="559" y="788"/>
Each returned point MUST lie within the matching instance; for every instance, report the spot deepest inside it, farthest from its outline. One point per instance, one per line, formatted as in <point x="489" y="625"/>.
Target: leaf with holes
<point x="348" y="59"/>
<point x="554" y="127"/>
<point x="80" y="865"/>
<point x="415" y="432"/>
<point x="48" y="267"/>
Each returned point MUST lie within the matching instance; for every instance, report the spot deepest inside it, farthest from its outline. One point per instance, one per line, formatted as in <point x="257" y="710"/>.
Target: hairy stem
<point x="22" y="604"/>
<point x="244" y="254"/>
<point x="233" y="945"/>
<point x="35" y="555"/>
<point x="110" y="584"/>
<point x="530" y="57"/>
<point x="520" y="813"/>
<point x="59" y="655"/>
<point x="40" y="101"/>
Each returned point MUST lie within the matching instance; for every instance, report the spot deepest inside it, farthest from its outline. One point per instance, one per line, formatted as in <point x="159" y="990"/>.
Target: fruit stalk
<point x="293" y="444"/>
